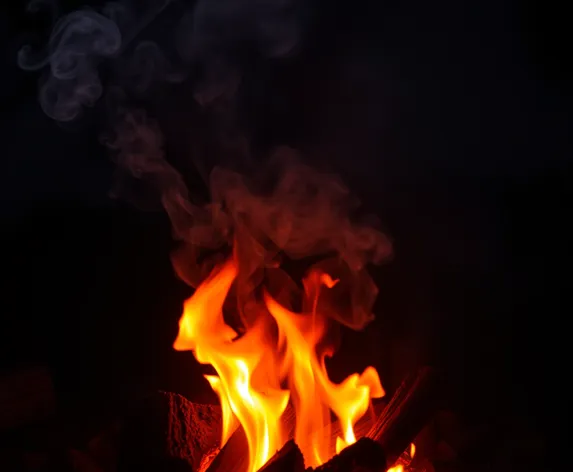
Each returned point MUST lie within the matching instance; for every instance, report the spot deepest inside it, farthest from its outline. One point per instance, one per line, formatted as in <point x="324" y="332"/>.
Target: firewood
<point x="288" y="459"/>
<point x="394" y="429"/>
<point x="410" y="408"/>
<point x="168" y="433"/>
<point x="365" y="455"/>
<point x="361" y="428"/>
<point x="232" y="457"/>
<point x="26" y="397"/>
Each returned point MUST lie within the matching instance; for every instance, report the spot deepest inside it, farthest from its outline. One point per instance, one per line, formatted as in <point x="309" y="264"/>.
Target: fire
<point x="279" y="359"/>
<point x="397" y="468"/>
<point x="236" y="360"/>
<point x="404" y="463"/>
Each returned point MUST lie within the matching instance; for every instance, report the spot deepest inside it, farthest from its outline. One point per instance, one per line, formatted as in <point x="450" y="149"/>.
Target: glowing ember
<point x="259" y="372"/>
<point x="412" y="450"/>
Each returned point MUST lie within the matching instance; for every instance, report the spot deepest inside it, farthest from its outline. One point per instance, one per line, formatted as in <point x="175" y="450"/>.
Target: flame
<point x="259" y="372"/>
<point x="404" y="460"/>
<point x="397" y="468"/>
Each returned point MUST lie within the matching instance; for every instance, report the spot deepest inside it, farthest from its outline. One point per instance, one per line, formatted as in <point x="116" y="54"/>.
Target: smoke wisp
<point x="285" y="210"/>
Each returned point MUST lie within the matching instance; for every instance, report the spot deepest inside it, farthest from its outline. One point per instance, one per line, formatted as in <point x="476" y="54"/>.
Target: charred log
<point x="395" y="428"/>
<point x="288" y="459"/>
<point x="188" y="434"/>
<point x="410" y="408"/>
<point x="168" y="433"/>
<point x="232" y="457"/>
<point x="365" y="455"/>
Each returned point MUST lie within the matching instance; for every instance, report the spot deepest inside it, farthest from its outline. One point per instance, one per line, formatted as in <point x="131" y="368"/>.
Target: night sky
<point x="450" y="120"/>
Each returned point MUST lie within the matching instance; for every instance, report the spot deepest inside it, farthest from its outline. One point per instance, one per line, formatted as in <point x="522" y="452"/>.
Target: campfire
<point x="253" y="367"/>
<point x="185" y="436"/>
<point x="267" y="338"/>
<point x="265" y="343"/>
<point x="264" y="333"/>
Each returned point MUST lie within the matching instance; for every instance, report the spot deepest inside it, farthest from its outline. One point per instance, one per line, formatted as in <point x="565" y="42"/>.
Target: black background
<point x="451" y="120"/>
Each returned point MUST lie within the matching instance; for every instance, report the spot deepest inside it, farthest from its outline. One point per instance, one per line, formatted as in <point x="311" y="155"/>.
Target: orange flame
<point x="397" y="468"/>
<point x="253" y="370"/>
<point x="412" y="450"/>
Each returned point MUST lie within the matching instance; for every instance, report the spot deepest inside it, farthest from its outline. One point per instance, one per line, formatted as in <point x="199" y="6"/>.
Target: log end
<point x="168" y="433"/>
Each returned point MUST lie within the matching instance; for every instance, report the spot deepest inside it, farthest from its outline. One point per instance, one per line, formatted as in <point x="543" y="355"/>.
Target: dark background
<point x="451" y="120"/>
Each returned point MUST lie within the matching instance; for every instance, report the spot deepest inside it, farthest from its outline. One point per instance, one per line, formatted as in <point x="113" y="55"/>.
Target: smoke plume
<point x="124" y="52"/>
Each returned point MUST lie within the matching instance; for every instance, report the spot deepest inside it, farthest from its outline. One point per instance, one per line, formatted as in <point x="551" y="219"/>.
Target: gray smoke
<point x="217" y="30"/>
<point x="303" y="213"/>
<point x="208" y="36"/>
<point x="79" y="45"/>
<point x="79" y="42"/>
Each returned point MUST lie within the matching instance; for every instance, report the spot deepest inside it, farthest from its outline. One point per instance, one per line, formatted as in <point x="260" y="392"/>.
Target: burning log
<point x="408" y="411"/>
<point x="402" y="419"/>
<point x="365" y="455"/>
<point x="406" y="414"/>
<point x="232" y="458"/>
<point x="169" y="433"/>
<point x="394" y="429"/>
<point x="288" y="459"/>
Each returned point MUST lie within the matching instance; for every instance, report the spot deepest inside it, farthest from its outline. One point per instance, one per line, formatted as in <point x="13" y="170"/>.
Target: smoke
<point x="209" y="37"/>
<point x="291" y="210"/>
<point x="306" y="213"/>
<point x="222" y="31"/>
<point x="77" y="45"/>
<point x="124" y="51"/>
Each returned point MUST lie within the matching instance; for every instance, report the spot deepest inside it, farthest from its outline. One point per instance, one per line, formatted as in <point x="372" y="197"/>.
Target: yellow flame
<point x="397" y="468"/>
<point x="252" y="369"/>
